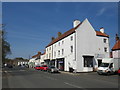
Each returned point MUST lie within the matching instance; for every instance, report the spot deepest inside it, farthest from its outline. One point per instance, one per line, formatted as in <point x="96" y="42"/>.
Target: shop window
<point x="88" y="61"/>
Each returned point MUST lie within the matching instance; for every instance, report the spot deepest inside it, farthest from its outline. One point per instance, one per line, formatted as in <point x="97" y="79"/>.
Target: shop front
<point x="60" y="64"/>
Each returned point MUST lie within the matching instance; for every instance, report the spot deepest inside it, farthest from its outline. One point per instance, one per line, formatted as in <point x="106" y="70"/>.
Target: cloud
<point x="101" y="11"/>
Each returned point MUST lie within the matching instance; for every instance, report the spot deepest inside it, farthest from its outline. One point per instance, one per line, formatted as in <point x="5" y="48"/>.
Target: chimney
<point x="52" y="38"/>
<point x="102" y="30"/>
<point x="117" y="37"/>
<point x="39" y="53"/>
<point x="75" y="23"/>
<point x="59" y="34"/>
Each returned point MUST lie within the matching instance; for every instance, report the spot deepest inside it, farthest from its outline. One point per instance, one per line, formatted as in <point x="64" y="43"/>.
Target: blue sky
<point x="30" y="26"/>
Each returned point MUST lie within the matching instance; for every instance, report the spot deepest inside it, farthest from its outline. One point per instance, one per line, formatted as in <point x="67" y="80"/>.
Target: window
<point x="111" y="65"/>
<point x="59" y="44"/>
<point x="71" y="48"/>
<point x="55" y="45"/>
<point x="58" y="52"/>
<point x="104" y="40"/>
<point x="105" y="49"/>
<point x="71" y="38"/>
<point x="88" y="61"/>
<point x="62" y="42"/>
<point x="62" y="51"/>
<point x="50" y="48"/>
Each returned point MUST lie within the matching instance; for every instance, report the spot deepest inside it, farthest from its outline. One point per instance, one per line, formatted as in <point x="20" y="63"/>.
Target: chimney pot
<point x="39" y="52"/>
<point x="76" y="22"/>
<point x="59" y="34"/>
<point x="102" y="30"/>
<point x="117" y="37"/>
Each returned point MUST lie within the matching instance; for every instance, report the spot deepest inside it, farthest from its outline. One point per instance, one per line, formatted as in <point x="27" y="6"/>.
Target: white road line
<point x="22" y="70"/>
<point x="5" y="71"/>
<point x="74" y="86"/>
<point x="51" y="78"/>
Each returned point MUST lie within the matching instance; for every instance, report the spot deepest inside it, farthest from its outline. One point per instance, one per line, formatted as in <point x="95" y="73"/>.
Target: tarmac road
<point x="29" y="78"/>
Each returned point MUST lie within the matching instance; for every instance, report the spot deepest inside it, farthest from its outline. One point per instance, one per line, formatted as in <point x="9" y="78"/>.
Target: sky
<point x="30" y="25"/>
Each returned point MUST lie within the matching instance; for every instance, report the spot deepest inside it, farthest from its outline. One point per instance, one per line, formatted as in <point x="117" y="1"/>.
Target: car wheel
<point x="99" y="73"/>
<point x="108" y="73"/>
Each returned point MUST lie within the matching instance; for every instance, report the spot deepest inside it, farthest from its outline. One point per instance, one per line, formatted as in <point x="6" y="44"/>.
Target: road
<point x="29" y="78"/>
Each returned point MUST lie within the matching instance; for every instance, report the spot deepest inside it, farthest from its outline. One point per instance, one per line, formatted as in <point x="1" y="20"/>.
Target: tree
<point x="5" y="45"/>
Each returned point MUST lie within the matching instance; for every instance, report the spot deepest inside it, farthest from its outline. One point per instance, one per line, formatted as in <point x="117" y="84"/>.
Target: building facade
<point x="81" y="48"/>
<point x="116" y="48"/>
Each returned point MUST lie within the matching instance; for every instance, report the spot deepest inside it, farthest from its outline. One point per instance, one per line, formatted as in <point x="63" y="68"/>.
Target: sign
<point x="99" y="55"/>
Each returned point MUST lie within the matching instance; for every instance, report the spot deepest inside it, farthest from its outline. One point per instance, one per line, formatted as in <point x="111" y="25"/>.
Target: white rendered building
<point x="116" y="48"/>
<point x="81" y="48"/>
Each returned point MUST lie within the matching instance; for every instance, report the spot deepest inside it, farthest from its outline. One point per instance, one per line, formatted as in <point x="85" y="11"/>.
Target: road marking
<point x="51" y="78"/>
<point x="74" y="86"/>
<point x="5" y="71"/>
<point x="22" y="70"/>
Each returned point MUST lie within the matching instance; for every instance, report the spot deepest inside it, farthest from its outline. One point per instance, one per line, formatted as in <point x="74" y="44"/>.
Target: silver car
<point x="52" y="69"/>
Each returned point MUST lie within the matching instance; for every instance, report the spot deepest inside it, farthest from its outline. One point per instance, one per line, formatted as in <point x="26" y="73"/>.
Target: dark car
<point x="9" y="66"/>
<point x="52" y="69"/>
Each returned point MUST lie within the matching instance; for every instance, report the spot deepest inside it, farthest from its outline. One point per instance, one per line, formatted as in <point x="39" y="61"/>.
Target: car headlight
<point x="106" y="70"/>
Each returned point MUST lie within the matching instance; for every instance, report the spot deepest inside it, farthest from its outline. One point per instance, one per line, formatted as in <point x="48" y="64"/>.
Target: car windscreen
<point x="52" y="67"/>
<point x="37" y="66"/>
<point x="104" y="65"/>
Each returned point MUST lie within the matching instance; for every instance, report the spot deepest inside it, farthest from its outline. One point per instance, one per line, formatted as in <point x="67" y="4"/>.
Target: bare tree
<point x="5" y="45"/>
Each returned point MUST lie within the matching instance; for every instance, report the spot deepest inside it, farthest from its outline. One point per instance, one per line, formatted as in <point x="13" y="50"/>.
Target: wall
<point x="116" y="54"/>
<point x="65" y="44"/>
<point x="87" y="43"/>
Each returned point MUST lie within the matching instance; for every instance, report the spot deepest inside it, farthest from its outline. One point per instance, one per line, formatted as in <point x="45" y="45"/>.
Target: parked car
<point x="118" y="72"/>
<point x="52" y="69"/>
<point x="108" y="66"/>
<point x="9" y="66"/>
<point x="37" y="67"/>
<point x="44" y="68"/>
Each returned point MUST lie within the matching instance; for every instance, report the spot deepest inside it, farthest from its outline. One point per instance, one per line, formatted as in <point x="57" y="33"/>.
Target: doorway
<point x="99" y="62"/>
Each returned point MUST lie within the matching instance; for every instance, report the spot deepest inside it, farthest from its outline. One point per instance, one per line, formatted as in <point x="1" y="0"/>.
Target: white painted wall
<point x="87" y="43"/>
<point x="48" y="52"/>
<point x="116" y="54"/>
<point x="65" y="44"/>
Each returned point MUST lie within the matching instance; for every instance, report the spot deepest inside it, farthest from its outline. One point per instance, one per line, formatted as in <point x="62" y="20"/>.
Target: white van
<point x="109" y="66"/>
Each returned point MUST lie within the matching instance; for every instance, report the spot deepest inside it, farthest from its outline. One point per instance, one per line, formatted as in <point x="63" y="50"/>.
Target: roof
<point x="69" y="32"/>
<point x="37" y="55"/>
<point x="98" y="33"/>
<point x="116" y="46"/>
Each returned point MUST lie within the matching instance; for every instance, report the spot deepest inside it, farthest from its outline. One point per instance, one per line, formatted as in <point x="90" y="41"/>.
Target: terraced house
<point x="80" y="48"/>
